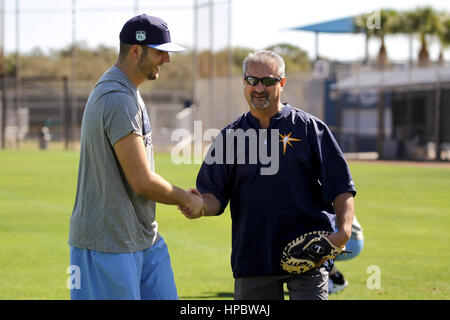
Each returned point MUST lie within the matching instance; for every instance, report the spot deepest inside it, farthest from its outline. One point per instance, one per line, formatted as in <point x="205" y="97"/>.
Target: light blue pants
<point x="141" y="275"/>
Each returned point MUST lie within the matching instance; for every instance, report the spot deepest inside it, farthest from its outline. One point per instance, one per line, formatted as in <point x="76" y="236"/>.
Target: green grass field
<point x="404" y="210"/>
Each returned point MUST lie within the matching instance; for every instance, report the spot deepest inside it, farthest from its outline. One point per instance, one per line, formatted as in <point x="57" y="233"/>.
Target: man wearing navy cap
<point x="114" y="240"/>
<point x="308" y="186"/>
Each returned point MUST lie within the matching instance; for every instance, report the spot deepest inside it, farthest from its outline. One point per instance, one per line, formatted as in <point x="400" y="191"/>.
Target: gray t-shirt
<point x="108" y="215"/>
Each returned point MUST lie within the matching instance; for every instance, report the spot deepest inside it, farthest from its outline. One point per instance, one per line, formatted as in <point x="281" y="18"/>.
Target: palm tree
<point x="403" y="25"/>
<point x="387" y="19"/>
<point x="444" y="35"/>
<point x="424" y="22"/>
<point x="360" y="26"/>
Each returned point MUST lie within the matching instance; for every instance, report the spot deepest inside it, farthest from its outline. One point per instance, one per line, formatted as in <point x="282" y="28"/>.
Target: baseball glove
<point x="307" y="251"/>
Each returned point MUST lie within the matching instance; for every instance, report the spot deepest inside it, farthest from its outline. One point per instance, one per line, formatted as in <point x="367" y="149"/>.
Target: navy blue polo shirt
<point x="268" y="211"/>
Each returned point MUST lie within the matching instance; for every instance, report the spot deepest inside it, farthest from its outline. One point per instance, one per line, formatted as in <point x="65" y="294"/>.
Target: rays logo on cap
<point x="140" y="35"/>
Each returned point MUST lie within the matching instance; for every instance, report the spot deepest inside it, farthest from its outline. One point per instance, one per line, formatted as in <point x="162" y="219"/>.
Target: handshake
<point x="194" y="207"/>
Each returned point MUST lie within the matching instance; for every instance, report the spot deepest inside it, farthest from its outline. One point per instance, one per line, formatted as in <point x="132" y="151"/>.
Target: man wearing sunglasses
<point x="312" y="186"/>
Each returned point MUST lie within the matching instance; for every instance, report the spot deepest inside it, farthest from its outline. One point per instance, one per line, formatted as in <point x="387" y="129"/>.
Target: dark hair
<point x="125" y="48"/>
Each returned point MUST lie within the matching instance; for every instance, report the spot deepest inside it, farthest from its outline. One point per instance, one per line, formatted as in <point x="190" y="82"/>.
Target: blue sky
<point x="255" y="23"/>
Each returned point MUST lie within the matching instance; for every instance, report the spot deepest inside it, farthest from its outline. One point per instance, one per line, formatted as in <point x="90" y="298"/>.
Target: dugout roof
<point x="342" y="25"/>
<point x="335" y="26"/>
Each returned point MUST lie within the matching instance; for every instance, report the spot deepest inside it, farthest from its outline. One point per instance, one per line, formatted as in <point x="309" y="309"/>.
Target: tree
<point x="387" y="21"/>
<point x="295" y="58"/>
<point x="424" y="22"/>
<point x="444" y="34"/>
<point x="239" y="54"/>
<point x="360" y="26"/>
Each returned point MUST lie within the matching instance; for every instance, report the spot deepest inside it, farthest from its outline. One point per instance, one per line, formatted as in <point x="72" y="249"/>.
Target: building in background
<point x="400" y="113"/>
<point x="381" y="109"/>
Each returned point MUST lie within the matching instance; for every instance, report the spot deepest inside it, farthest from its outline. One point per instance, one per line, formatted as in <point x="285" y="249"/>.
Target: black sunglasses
<point x="267" y="81"/>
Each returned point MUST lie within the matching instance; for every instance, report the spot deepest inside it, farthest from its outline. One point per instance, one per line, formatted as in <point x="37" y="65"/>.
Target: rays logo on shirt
<point x="286" y="139"/>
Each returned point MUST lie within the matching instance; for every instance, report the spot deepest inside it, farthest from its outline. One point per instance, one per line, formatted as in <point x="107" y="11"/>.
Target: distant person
<point x="355" y="245"/>
<point x="114" y="237"/>
<point x="305" y="184"/>
<point x="44" y="138"/>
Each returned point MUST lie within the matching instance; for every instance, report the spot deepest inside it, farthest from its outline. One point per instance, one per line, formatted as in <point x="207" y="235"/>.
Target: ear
<point x="135" y="52"/>
<point x="282" y="82"/>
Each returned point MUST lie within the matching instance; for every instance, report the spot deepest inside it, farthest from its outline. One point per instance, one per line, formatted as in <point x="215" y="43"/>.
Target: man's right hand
<point x="195" y="206"/>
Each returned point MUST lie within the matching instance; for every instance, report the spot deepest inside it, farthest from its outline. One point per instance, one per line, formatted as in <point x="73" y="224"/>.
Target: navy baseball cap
<point x="149" y="31"/>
